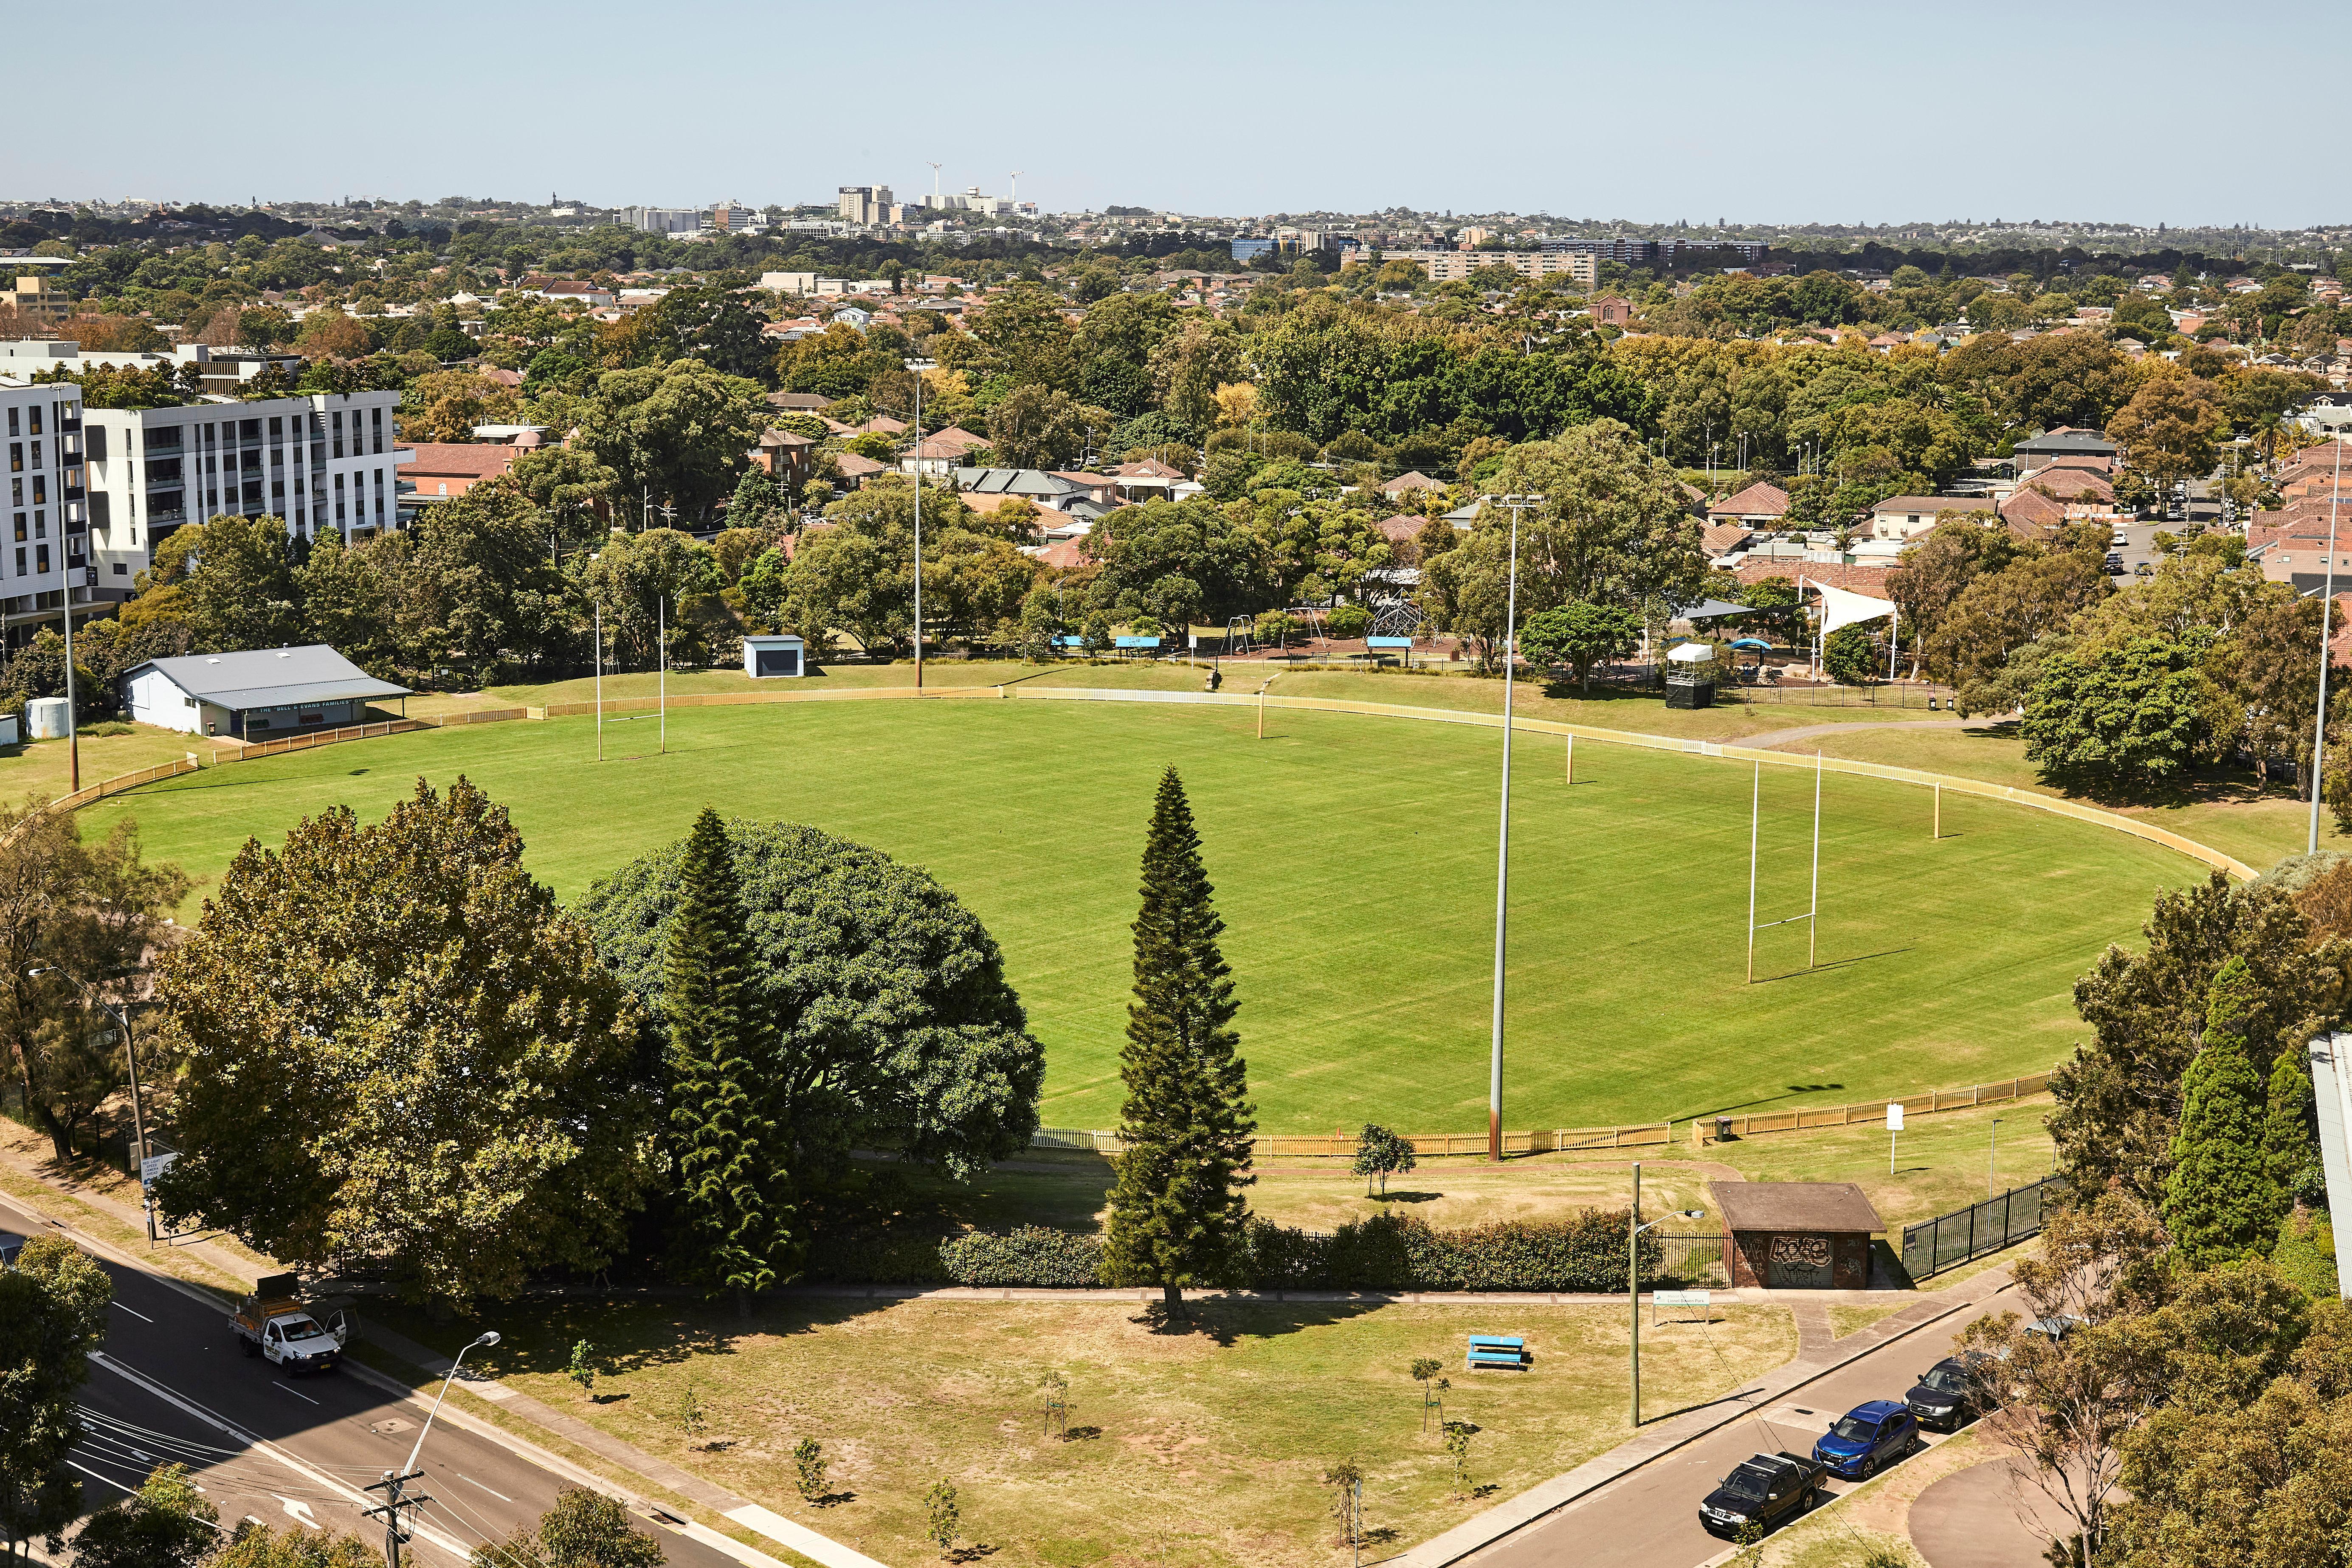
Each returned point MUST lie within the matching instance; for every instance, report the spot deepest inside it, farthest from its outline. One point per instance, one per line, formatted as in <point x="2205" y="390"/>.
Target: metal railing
<point x="1949" y="1240"/>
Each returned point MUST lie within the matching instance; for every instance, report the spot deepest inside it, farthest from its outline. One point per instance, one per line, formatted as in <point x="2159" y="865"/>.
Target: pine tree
<point x="1177" y="1212"/>
<point x="2221" y="1202"/>
<point x="733" y="1193"/>
<point x="2290" y="1135"/>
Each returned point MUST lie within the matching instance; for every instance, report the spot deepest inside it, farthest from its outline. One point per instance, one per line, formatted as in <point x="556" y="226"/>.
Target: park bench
<point x="1495" y="1350"/>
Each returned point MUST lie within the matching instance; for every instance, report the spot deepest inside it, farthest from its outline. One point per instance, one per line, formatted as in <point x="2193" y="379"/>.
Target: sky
<point x="1795" y="112"/>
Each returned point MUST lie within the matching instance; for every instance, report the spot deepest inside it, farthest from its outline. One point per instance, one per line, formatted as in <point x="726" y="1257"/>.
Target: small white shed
<point x="769" y="656"/>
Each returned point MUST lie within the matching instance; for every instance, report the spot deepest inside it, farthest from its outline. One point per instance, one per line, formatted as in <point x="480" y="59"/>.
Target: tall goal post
<point x="1812" y="912"/>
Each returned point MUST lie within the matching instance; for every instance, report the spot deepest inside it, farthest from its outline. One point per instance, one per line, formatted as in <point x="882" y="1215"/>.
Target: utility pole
<point x="393" y="1488"/>
<point x="919" y="366"/>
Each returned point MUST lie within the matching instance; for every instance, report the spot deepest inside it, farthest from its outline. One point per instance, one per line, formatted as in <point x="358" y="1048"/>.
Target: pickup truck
<point x="1765" y="1492"/>
<point x="274" y="1324"/>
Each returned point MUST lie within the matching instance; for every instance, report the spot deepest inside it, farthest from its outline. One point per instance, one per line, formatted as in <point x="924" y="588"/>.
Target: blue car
<point x="1867" y="1437"/>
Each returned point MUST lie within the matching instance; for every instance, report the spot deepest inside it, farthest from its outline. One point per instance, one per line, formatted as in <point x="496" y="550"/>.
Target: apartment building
<point x="865" y="206"/>
<point x="34" y="300"/>
<point x="322" y="461"/>
<point x="46" y="555"/>
<point x="1445" y="266"/>
<point x="666" y="220"/>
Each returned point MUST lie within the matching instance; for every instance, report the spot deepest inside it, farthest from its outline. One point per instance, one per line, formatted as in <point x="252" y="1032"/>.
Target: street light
<point x="395" y="1482"/>
<point x="919" y="366"/>
<point x="1634" y="1277"/>
<point x="138" y="1116"/>
<point x="489" y="1338"/>
<point x="1517" y="503"/>
<point x="2326" y="631"/>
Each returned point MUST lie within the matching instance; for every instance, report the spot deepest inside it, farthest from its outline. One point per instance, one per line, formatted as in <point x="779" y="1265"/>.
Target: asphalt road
<point x="1650" y="1518"/>
<point x="172" y="1386"/>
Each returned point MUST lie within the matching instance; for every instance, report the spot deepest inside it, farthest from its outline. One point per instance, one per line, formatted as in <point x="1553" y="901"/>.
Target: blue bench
<point x="1497" y="1351"/>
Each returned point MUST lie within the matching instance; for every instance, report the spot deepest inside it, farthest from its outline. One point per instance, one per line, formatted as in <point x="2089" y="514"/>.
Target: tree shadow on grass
<point x="971" y="1553"/>
<point x="1402" y="1196"/>
<point x="1230" y="1320"/>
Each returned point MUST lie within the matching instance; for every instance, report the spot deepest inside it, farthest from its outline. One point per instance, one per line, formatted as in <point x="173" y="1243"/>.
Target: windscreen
<point x="1945" y="1380"/>
<point x="1854" y="1429"/>
<point x="301" y="1328"/>
<point x="1747" y="1482"/>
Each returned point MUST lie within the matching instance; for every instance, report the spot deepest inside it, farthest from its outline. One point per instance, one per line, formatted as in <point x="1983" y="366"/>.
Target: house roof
<point x="1717" y="538"/>
<point x="1412" y="479"/>
<point x="2065" y="439"/>
<point x="1403" y="526"/>
<point x="1014" y="481"/>
<point x="1150" y="469"/>
<point x="2031" y="507"/>
<point x="2072" y="483"/>
<point x="1762" y="499"/>
<point x="1894" y="504"/>
<point x="270" y="677"/>
<point x="783" y="438"/>
<point x="1063" y="555"/>
<point x="808" y="402"/>
<point x="1860" y="576"/>
<point x="1794" y="1207"/>
<point x="952" y="442"/>
<point x="854" y="466"/>
<point x="452" y="459"/>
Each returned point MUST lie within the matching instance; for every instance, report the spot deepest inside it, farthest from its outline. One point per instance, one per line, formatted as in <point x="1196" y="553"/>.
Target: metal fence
<point x="1949" y="1240"/>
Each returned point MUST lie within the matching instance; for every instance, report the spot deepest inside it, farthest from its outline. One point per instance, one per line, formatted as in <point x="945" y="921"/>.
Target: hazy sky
<point x="1805" y="111"/>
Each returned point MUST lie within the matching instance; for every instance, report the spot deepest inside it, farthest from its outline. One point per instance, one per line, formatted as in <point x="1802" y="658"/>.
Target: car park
<point x="1950" y="1394"/>
<point x="1766" y="1492"/>
<point x="1867" y="1437"/>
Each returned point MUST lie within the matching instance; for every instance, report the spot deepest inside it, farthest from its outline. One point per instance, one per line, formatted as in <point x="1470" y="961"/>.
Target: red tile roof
<point x="1762" y="499"/>
<point x="1863" y="577"/>
<point x="1064" y="554"/>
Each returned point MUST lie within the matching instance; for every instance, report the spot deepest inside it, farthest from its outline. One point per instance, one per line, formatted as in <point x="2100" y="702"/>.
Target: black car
<point x="1950" y="1394"/>
<point x="1766" y="1492"/>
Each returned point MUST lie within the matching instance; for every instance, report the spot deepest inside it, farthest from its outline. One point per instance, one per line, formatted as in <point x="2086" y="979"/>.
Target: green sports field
<point x="1354" y="859"/>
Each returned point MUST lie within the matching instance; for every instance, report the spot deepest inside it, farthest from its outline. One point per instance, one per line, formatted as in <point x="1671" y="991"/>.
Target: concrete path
<point x="1984" y="1517"/>
<point x="1776" y="738"/>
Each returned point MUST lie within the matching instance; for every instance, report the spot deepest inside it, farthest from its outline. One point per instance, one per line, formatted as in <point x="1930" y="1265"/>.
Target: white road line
<point x="136" y="1313"/>
<point x="283" y="1389"/>
<point x="93" y="1475"/>
<point x="472" y="1482"/>
<point x="317" y="1478"/>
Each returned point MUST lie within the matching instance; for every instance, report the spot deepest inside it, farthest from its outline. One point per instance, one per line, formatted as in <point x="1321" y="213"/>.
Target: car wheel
<point x="1867" y="1469"/>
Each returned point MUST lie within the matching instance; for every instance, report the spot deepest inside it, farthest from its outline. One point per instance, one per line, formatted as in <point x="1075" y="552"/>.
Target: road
<point x="172" y="1386"/>
<point x="1650" y="1518"/>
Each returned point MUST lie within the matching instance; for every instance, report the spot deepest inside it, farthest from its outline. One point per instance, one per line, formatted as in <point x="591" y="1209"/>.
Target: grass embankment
<point x="1353" y="859"/>
<point x="1196" y="1450"/>
<point x="2226" y="808"/>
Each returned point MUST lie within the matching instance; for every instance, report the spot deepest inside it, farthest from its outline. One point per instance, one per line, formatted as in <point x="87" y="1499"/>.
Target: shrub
<point x="859" y="1254"/>
<point x="1031" y="1256"/>
<point x="1349" y="621"/>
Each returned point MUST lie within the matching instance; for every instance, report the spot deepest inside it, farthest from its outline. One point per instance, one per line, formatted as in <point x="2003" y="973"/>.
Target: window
<point x="16" y="497"/>
<point x="376" y="428"/>
<point x="41" y="558"/>
<point x="16" y="456"/>
<point x="339" y="433"/>
<point x="14" y="431"/>
<point x="20" y="528"/>
<point x="37" y="461"/>
<point x="277" y="427"/>
<point x="20" y="561"/>
<point x="41" y="490"/>
<point x="33" y="415"/>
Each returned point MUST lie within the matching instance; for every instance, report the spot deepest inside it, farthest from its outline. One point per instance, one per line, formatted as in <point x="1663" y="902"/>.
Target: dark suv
<point x="1867" y="1437"/>
<point x="1950" y="1394"/>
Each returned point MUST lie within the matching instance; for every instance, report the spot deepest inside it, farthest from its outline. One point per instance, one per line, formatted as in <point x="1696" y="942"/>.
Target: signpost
<point x="1658" y="1298"/>
<point x="153" y="1166"/>
<point x="1893" y="1125"/>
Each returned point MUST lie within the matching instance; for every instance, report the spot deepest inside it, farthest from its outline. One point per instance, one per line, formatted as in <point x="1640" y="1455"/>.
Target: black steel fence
<point x="1949" y="1240"/>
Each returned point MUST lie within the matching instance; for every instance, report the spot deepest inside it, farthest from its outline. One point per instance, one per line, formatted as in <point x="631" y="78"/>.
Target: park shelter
<point x="1796" y="1235"/>
<point x="258" y="694"/>
<point x="771" y="656"/>
<point x="1844" y="608"/>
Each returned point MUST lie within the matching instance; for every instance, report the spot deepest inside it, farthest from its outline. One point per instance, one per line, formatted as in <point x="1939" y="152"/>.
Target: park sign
<point x="153" y="1166"/>
<point x="1388" y="642"/>
<point x="1895" y="1116"/>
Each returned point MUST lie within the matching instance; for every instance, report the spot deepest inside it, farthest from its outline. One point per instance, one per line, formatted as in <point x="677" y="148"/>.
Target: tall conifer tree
<point x="2221" y="1202"/>
<point x="733" y="1188"/>
<point x="1177" y="1212"/>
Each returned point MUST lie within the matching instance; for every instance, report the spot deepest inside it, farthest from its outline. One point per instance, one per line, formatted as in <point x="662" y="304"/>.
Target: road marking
<point x="304" y="1397"/>
<point x="422" y="1530"/>
<point x="300" y="1510"/>
<point x="136" y="1313"/>
<point x="93" y="1475"/>
<point x="472" y="1482"/>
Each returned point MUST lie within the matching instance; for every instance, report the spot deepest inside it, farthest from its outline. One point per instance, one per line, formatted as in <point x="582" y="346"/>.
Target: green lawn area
<point x="1198" y="1450"/>
<point x="1354" y="862"/>
<point x="45" y="768"/>
<point x="2221" y="807"/>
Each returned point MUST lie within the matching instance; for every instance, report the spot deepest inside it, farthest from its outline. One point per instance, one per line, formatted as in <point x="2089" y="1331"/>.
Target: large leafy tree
<point x="347" y="600"/>
<point x="240" y="586"/>
<point x="403" y="1058"/>
<point x="648" y="583"/>
<point x="732" y="1179"/>
<point x="167" y="1523"/>
<point x="1176" y="562"/>
<point x="858" y="575"/>
<point x="1580" y="634"/>
<point x="882" y="999"/>
<point x="2170" y="428"/>
<point x="716" y="327"/>
<point x="2119" y="718"/>
<point x="76" y="924"/>
<point x="1176" y="1208"/>
<point x="675" y="431"/>
<point x="478" y="590"/>
<point x="2222" y="1201"/>
<point x="570" y="486"/>
<point x="52" y="1315"/>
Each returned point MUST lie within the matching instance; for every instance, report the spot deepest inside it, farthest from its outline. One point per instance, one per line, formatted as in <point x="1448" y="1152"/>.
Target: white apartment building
<point x="46" y="555"/>
<point x="1445" y="266"/>
<point x="322" y="460"/>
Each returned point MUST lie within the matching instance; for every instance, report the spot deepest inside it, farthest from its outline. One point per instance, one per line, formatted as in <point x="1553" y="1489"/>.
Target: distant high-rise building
<point x="663" y="220"/>
<point x="867" y="204"/>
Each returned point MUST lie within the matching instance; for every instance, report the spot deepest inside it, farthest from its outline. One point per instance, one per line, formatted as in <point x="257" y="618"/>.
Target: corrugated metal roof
<point x="270" y="677"/>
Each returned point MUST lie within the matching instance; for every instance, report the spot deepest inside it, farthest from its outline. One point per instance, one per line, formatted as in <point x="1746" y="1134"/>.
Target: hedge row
<point x="1385" y="1252"/>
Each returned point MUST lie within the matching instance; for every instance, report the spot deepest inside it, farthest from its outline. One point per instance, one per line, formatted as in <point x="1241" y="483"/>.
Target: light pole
<point x="919" y="366"/>
<point x="395" y="1483"/>
<point x="1992" y="1158"/>
<point x="1635" y="1227"/>
<point x="1517" y="503"/>
<point x="2326" y="628"/>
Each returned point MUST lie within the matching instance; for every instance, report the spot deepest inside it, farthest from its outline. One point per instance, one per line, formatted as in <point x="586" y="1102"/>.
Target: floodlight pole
<point x="661" y="654"/>
<point x="2326" y="629"/>
<point x="1517" y="503"/>
<point x="1813" y="915"/>
<point x="919" y="366"/>
<point x="1755" y="811"/>
<point x="1634" y="1290"/>
<point x="600" y="679"/>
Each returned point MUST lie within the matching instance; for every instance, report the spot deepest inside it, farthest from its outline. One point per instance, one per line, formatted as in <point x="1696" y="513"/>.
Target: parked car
<point x="1866" y="1437"/>
<point x="1950" y="1394"/>
<point x="1767" y="1492"/>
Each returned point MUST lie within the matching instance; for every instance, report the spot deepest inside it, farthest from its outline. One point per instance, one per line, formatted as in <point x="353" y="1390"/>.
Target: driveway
<point x="1983" y="1517"/>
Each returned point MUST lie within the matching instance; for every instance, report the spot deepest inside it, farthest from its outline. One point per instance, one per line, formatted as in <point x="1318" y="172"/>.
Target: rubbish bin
<point x="1723" y="1129"/>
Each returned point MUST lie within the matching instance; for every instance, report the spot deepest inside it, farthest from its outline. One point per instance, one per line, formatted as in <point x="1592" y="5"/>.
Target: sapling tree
<point x="944" y="1511"/>
<point x="1346" y="1480"/>
<point x="808" y="1467"/>
<point x="692" y="1419"/>
<point x="583" y="1369"/>
<point x="1380" y="1154"/>
<point x="1058" y="1403"/>
<point x="1457" y="1448"/>
<point x="1423" y="1369"/>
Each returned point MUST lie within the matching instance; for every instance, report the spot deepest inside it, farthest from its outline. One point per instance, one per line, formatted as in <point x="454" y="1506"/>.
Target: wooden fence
<point x="1642" y="1135"/>
<point x="475" y="716"/>
<point x="253" y="751"/>
<point x="90" y="794"/>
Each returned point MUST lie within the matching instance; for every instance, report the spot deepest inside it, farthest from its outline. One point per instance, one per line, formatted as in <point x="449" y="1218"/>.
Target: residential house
<point x="1147" y="480"/>
<point x="1413" y="481"/>
<point x="1905" y="517"/>
<point x="2293" y="548"/>
<point x="439" y="471"/>
<point x="580" y="293"/>
<point x="855" y="470"/>
<point x="880" y="424"/>
<point x="798" y="402"/>
<point x="785" y="455"/>
<point x="1611" y="310"/>
<point x="942" y="451"/>
<point x="2080" y="446"/>
<point x="2030" y="512"/>
<point x="1762" y="508"/>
